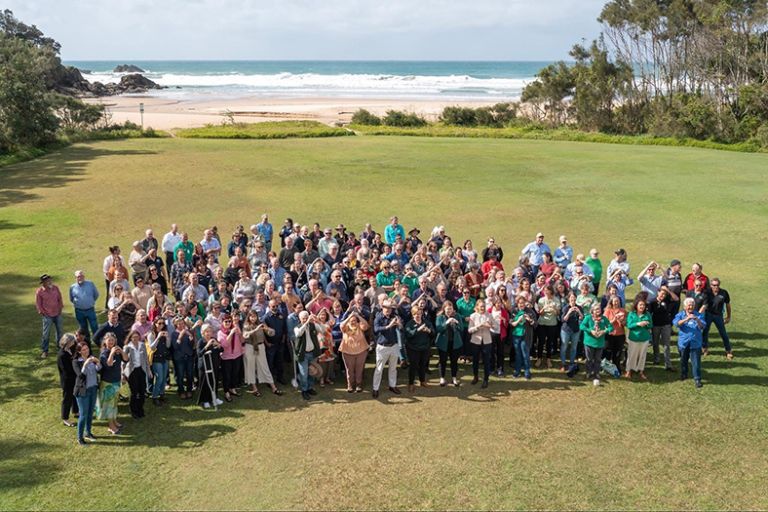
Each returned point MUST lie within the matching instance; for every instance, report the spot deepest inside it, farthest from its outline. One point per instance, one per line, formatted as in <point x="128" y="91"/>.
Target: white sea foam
<point x="336" y="85"/>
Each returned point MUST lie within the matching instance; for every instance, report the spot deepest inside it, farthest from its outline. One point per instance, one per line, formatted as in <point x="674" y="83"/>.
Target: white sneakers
<point x="596" y="382"/>
<point x="456" y="382"/>
<point x="219" y="401"/>
<point x="206" y="405"/>
<point x="442" y="381"/>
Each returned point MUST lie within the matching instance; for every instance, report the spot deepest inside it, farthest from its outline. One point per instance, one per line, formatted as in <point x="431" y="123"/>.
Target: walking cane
<point x="295" y="380"/>
<point x="210" y="377"/>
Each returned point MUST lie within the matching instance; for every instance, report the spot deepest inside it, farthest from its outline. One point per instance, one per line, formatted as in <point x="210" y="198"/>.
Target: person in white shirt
<point x="481" y="342"/>
<point x="170" y="240"/>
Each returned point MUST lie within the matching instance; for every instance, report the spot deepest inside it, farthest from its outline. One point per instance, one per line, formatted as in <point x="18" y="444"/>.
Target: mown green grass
<point x="559" y="134"/>
<point x="265" y="130"/>
<point x="551" y="443"/>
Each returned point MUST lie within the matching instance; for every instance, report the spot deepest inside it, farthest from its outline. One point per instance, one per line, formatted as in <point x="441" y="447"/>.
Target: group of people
<point x="233" y="315"/>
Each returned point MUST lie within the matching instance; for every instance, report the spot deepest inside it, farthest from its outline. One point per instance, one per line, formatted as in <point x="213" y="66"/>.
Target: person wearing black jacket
<point x="663" y="309"/>
<point x="112" y="325"/>
<point x="67" y="377"/>
<point x="209" y="344"/>
<point x="419" y="333"/>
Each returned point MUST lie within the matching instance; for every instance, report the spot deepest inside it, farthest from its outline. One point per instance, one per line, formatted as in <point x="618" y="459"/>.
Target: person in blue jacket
<point x="690" y="325"/>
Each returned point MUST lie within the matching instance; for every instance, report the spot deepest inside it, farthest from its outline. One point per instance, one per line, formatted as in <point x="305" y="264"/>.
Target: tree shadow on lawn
<point x="22" y="464"/>
<point x="56" y="170"/>
<point x="171" y="427"/>
<point x="5" y="225"/>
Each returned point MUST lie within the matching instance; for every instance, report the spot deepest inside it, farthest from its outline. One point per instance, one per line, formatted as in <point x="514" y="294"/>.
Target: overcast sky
<point x="313" y="29"/>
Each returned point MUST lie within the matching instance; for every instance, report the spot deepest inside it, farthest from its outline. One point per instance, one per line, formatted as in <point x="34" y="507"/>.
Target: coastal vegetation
<point x="549" y="443"/>
<point x="38" y="111"/>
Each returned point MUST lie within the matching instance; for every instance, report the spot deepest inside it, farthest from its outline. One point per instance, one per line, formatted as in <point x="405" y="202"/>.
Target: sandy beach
<point x="167" y="113"/>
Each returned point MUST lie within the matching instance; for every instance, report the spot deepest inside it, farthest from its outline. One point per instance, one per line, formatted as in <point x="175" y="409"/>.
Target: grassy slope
<point x="550" y="443"/>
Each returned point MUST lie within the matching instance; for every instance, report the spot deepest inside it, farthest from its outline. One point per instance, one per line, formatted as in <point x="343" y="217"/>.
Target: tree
<point x="547" y="94"/>
<point x="26" y="114"/>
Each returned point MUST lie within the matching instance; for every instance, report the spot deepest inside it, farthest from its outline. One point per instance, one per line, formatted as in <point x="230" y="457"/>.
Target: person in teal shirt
<point x="595" y="326"/>
<point x="392" y="230"/>
<point x="517" y="324"/>
<point x="639" y="325"/>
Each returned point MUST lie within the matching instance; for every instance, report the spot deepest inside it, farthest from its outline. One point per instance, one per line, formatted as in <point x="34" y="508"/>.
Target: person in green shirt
<point x="639" y="325"/>
<point x="594" y="263"/>
<point x="465" y="306"/>
<point x="594" y="326"/>
<point x="186" y="246"/>
<point x="517" y="324"/>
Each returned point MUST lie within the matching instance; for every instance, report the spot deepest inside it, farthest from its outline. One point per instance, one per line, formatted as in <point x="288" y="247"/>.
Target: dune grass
<point x="551" y="443"/>
<point x="265" y="130"/>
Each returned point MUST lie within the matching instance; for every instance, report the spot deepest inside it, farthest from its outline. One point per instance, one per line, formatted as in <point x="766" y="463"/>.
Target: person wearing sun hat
<point x="385" y="327"/>
<point x="413" y="241"/>
<point x="49" y="305"/>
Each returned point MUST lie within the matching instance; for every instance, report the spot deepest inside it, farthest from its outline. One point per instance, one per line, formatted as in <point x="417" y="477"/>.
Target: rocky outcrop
<point x="70" y="81"/>
<point x="128" y="68"/>
<point x="135" y="83"/>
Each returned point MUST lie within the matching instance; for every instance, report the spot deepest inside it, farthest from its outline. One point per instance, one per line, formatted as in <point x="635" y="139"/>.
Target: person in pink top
<point x="49" y="305"/>
<point x="231" y="340"/>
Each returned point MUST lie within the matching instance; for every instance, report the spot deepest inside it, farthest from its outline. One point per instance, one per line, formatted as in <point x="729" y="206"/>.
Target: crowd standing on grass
<point x="220" y="317"/>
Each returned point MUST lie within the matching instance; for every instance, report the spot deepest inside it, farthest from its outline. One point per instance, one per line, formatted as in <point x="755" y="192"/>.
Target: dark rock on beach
<point x="128" y="68"/>
<point x="69" y="80"/>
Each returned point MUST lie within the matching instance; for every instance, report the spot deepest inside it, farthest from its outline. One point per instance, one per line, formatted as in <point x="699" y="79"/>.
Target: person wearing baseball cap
<point x="535" y="252"/>
<point x="49" y="305"/>
<point x="564" y="253"/>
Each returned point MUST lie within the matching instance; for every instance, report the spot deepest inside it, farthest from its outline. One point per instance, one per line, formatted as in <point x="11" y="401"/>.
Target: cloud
<point x="445" y="29"/>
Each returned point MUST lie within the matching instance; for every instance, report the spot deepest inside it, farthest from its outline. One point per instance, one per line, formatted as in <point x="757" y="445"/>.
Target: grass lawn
<point x="549" y="443"/>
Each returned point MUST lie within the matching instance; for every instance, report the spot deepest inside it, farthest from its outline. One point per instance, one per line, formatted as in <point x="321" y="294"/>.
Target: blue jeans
<point x="184" y="374"/>
<point x="522" y="357"/>
<point x="86" y="404"/>
<point x="566" y="337"/>
<point x="47" y="322"/>
<point x="159" y="372"/>
<point x="695" y="356"/>
<point x="720" y="324"/>
<point x="306" y="382"/>
<point x="87" y="318"/>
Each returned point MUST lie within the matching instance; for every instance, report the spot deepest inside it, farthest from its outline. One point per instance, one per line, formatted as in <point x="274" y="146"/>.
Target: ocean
<point x="438" y="80"/>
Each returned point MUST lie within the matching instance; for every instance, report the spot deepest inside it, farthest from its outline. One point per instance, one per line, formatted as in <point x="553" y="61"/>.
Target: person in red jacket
<point x="49" y="305"/>
<point x="491" y="263"/>
<point x="696" y="273"/>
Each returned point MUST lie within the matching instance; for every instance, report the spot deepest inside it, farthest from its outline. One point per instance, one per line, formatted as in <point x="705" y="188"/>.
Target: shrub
<point x="403" y="119"/>
<point x="762" y="136"/>
<point x="459" y="116"/>
<point x="362" y="116"/>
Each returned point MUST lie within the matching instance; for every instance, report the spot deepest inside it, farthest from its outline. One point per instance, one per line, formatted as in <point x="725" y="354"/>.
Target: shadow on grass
<point x="172" y="427"/>
<point x="22" y="464"/>
<point x="52" y="171"/>
<point x="5" y="225"/>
